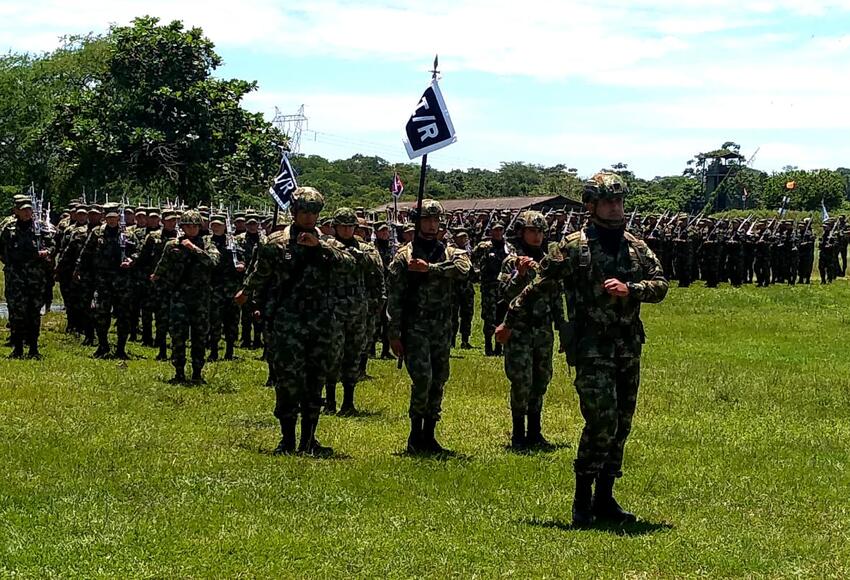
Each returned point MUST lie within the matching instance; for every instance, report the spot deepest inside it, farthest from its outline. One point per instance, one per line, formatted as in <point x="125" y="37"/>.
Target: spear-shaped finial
<point x="435" y="71"/>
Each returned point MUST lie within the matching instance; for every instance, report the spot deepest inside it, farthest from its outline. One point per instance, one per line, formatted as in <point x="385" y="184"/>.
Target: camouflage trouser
<point x="427" y="346"/>
<point x="249" y="324"/>
<point x="528" y="366"/>
<point x="112" y="298"/>
<point x="24" y="302"/>
<point x="607" y="391"/>
<point x="298" y="354"/>
<point x="224" y="315"/>
<point x="189" y="319"/>
<point x="762" y="269"/>
<point x="492" y="308"/>
<point x="157" y="304"/>
<point x="347" y="346"/>
<point x="370" y="328"/>
<point x="463" y="307"/>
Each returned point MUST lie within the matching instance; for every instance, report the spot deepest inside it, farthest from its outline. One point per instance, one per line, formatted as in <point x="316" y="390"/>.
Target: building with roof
<point x="539" y="203"/>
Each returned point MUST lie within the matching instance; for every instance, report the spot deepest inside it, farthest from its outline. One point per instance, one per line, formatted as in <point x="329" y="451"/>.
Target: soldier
<point x="528" y="355"/>
<point x="226" y="280"/>
<point x="807" y="253"/>
<point x="350" y="310"/>
<point x="843" y="241"/>
<point x="186" y="269"/>
<point x="248" y="243"/>
<point x="106" y="259"/>
<point x="761" y="257"/>
<point x="156" y="300"/>
<point x="386" y="249"/>
<point x="239" y="224"/>
<point x="463" y="301"/>
<point x="487" y="258"/>
<point x="67" y="253"/>
<point x="683" y="252"/>
<point x="420" y="278"/>
<point x="291" y="277"/>
<point x="24" y="253"/>
<point x="375" y="293"/>
<point x="828" y="255"/>
<point x="606" y="275"/>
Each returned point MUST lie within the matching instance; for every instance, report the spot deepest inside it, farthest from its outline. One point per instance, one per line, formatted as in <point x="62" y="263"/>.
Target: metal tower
<point x="291" y="126"/>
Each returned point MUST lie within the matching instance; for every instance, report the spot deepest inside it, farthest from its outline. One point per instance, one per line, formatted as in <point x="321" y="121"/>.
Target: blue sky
<point x="587" y="84"/>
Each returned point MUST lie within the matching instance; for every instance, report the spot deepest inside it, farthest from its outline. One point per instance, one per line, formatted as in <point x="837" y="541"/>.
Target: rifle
<point x="36" y="218"/>
<point x="657" y="223"/>
<point x="738" y="231"/>
<point x="565" y="231"/>
<point x="231" y="245"/>
<point x="122" y="231"/>
<point x="631" y="220"/>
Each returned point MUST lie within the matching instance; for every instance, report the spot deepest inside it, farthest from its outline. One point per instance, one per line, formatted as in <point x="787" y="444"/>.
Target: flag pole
<point x="422" y="171"/>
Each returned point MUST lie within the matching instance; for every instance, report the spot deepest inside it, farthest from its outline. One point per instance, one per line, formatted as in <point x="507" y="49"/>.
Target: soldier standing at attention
<point x="606" y="274"/>
<point x="463" y="301"/>
<point x="487" y="258"/>
<point x="24" y="253"/>
<point x="186" y="269"/>
<point x="292" y="278"/>
<point x="226" y="279"/>
<point x="420" y="283"/>
<point x="528" y="355"/>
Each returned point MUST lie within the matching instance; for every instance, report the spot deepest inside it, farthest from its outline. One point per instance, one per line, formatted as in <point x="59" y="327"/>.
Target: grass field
<point x="737" y="464"/>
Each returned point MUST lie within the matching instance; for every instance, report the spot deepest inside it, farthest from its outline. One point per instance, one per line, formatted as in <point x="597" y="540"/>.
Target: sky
<point x="587" y="84"/>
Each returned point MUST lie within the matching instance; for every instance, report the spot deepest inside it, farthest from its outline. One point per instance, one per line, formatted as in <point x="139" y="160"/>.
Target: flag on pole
<point x="824" y="215"/>
<point x="745" y="196"/>
<point x="397" y="188"/>
<point x="284" y="183"/>
<point x="430" y="126"/>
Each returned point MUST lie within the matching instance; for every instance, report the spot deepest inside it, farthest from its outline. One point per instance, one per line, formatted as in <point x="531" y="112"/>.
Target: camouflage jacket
<point x="19" y="247"/>
<point x="487" y="258"/>
<point x="73" y="239"/>
<point x="151" y="250"/>
<point x="544" y="312"/>
<point x="287" y="275"/>
<point x="376" y="290"/>
<point x="423" y="297"/>
<point x="225" y="273"/>
<point x="101" y="254"/>
<point x="605" y="326"/>
<point x="248" y="244"/>
<point x="187" y="271"/>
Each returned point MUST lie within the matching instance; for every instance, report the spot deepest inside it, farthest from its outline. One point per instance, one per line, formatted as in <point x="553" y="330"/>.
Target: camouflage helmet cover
<point x="532" y="219"/>
<point x="307" y="199"/>
<point x="604" y="185"/>
<point x="191" y="217"/>
<point x="431" y="208"/>
<point x="345" y="216"/>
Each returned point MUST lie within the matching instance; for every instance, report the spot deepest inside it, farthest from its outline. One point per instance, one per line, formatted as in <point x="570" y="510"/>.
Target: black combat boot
<point x="330" y="399"/>
<point x="605" y="507"/>
<point x="258" y="341"/>
<point x="17" y="348"/>
<point x="454" y="341"/>
<point x="429" y="440"/>
<point x="347" y="409"/>
<point x="270" y="381"/>
<point x="121" y="348"/>
<point x="162" y="355"/>
<point x="464" y="343"/>
<point x="102" y="345"/>
<point x="362" y="375"/>
<point x="583" y="501"/>
<point x="414" y="440"/>
<point x="309" y="445"/>
<point x="179" y="376"/>
<point x="287" y="440"/>
<point x="147" y="332"/>
<point x="33" y="351"/>
<point x="488" y="345"/>
<point x="228" y="351"/>
<point x="385" y="351"/>
<point x="518" y="440"/>
<point x="497" y="349"/>
<point x="213" y="352"/>
<point x="197" y="376"/>
<point x="535" y="438"/>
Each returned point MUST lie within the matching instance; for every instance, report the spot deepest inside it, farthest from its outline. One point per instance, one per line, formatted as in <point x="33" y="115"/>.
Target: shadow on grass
<point x="446" y="455"/>
<point x="531" y="451"/>
<point x="362" y="414"/>
<point x="638" y="528"/>
<point x="269" y="452"/>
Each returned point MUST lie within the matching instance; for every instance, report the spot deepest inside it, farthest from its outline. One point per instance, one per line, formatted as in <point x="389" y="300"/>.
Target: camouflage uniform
<point x="226" y="280"/>
<point x="603" y="339"/>
<point x="463" y="308"/>
<point x="157" y="299"/>
<point x="24" y="274"/>
<point x="294" y="284"/>
<point x="386" y="250"/>
<point x="248" y="243"/>
<point x="487" y="258"/>
<point x="376" y="293"/>
<point x="807" y="257"/>
<point x="419" y="313"/>
<point x="186" y="276"/>
<point x="528" y="355"/>
<point x="73" y="238"/>
<point x="101" y="262"/>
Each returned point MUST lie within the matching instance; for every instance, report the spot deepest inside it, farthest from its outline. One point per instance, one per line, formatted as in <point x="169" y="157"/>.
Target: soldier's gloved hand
<point x="397" y="347"/>
<point x="503" y="334"/>
<point x="417" y="265"/>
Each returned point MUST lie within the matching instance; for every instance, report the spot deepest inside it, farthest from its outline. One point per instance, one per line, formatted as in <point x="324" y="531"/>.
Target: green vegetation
<point x="737" y="463"/>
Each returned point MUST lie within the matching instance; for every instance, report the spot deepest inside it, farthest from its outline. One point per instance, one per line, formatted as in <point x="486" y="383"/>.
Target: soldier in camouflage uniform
<point x="248" y="243"/>
<point x="463" y="301"/>
<point x="106" y="259"/>
<point x="292" y="279"/>
<point x="226" y="280"/>
<point x="386" y="249"/>
<point x="350" y="310"/>
<point x="24" y="254"/>
<point x="606" y="275"/>
<point x="73" y="238"/>
<point x="156" y="300"/>
<point x="528" y="355"/>
<point x="420" y="282"/>
<point x="186" y="269"/>
<point x="375" y="292"/>
<point x="487" y="258"/>
<point x="807" y="253"/>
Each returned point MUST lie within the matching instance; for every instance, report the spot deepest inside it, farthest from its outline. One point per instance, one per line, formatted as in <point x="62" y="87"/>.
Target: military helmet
<point x="532" y="219"/>
<point x="191" y="217"/>
<point x="307" y="199"/>
<point x="604" y="185"/>
<point x="111" y="210"/>
<point x="430" y="208"/>
<point x="345" y="216"/>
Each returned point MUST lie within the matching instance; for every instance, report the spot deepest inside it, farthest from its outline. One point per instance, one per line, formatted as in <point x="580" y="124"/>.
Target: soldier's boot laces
<point x="228" y="351"/>
<point x="347" y="409"/>
<point x="197" y="376"/>
<point x="429" y="439"/>
<point x="518" y="440"/>
<point x="287" y="439"/>
<point x="583" y="501"/>
<point x="329" y="407"/>
<point x="309" y="445"/>
<point x="535" y="437"/>
<point x="414" y="440"/>
<point x="605" y="507"/>
<point x="213" y="353"/>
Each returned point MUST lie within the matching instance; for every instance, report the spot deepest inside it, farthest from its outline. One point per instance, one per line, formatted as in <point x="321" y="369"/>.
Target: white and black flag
<point x="430" y="126"/>
<point x="284" y="183"/>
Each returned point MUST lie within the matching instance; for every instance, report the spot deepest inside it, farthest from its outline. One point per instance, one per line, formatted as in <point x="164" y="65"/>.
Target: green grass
<point x="737" y="463"/>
